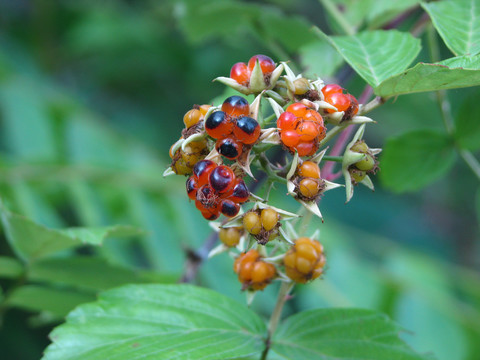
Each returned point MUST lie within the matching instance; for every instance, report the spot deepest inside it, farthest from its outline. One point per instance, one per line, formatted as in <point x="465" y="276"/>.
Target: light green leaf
<point x="386" y="10"/>
<point x="320" y="59"/>
<point x="467" y="124"/>
<point x="56" y="302"/>
<point x="376" y="55"/>
<point x="159" y="322"/>
<point x="458" y="23"/>
<point x="89" y="273"/>
<point x="32" y="241"/>
<point x="415" y="159"/>
<point x="352" y="334"/>
<point x="10" y="267"/>
<point x="458" y="72"/>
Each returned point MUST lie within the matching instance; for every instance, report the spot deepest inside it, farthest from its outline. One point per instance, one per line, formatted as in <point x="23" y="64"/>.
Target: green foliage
<point x="463" y="71"/>
<point x="415" y="159"/>
<point x="10" y="267"/>
<point x="467" y="125"/>
<point x="207" y="325"/>
<point x="376" y="55"/>
<point x="458" y="23"/>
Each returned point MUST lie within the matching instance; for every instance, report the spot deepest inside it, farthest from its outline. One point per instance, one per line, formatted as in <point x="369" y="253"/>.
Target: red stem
<point x="337" y="149"/>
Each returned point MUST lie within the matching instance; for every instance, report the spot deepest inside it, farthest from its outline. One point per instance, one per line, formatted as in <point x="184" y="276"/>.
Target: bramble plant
<point x="280" y="133"/>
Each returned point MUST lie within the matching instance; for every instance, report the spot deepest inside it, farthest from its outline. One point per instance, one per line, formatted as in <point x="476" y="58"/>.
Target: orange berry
<point x="269" y="218"/>
<point x="305" y="260"/>
<point x="309" y="187"/>
<point x="290" y="138"/>
<point x="307" y="148"/>
<point x="297" y="109"/>
<point x="330" y="89"/>
<point x="252" y="272"/>
<point x="192" y="117"/>
<point x="266" y="63"/>
<point x="309" y="169"/>
<point x="230" y="236"/>
<point x="240" y="73"/>
<point x="339" y="100"/>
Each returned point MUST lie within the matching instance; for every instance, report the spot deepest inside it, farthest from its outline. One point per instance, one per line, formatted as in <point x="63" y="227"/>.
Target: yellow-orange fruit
<point x="305" y="260"/>
<point x="230" y="236"/>
<point x="253" y="273"/>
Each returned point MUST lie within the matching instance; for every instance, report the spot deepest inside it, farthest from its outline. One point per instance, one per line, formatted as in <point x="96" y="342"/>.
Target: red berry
<point x="207" y="198"/>
<point x="229" y="147"/>
<point x="307" y="148"/>
<point x="290" y="138"/>
<point x="330" y="89"/>
<point x="240" y="192"/>
<point x="229" y="208"/>
<point x="192" y="187"/>
<point x="236" y="106"/>
<point x="297" y="109"/>
<point x="247" y="130"/>
<point x="219" y="125"/>
<point x="339" y="100"/>
<point x="222" y="179"/>
<point x="287" y="121"/>
<point x="240" y="73"/>
<point x="210" y="214"/>
<point x="308" y="130"/>
<point x="353" y="108"/>
<point x="266" y="64"/>
<point x="313" y="115"/>
<point x="202" y="170"/>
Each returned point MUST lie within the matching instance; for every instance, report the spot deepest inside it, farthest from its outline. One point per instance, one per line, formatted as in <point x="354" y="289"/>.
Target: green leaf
<point x="57" y="302"/>
<point x="458" y="23"/>
<point x="32" y="241"/>
<point x="458" y="72"/>
<point x="89" y="273"/>
<point x="415" y="159"/>
<point x="10" y="267"/>
<point x="320" y="59"/>
<point x="467" y="126"/>
<point x="384" y="11"/>
<point x="159" y="322"/>
<point x="376" y="55"/>
<point x="352" y="334"/>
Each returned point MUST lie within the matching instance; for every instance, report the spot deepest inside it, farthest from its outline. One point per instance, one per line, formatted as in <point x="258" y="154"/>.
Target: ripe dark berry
<point x="240" y="73"/>
<point x="229" y="148"/>
<point x="222" y="179"/>
<point x="229" y="208"/>
<point x="236" y="106"/>
<point x="247" y="130"/>
<point x="192" y="187"/>
<point x="202" y="170"/>
<point x="304" y="261"/>
<point x="210" y="214"/>
<point x="206" y="198"/>
<point x="218" y="125"/>
<point x="266" y="64"/>
<point x="240" y="192"/>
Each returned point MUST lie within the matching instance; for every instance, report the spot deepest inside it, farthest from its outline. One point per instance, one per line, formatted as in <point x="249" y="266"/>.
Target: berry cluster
<point x="301" y="129"/>
<point x="368" y="165"/>
<point x="184" y="160"/>
<point x="232" y="128"/>
<point x="216" y="190"/>
<point x="253" y="272"/>
<point x="304" y="261"/>
<point x="262" y="224"/>
<point x="308" y="183"/>
<point x="242" y="72"/>
<point x="334" y="95"/>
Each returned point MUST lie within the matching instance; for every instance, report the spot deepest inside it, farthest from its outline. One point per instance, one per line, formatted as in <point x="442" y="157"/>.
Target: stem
<point x="333" y="158"/>
<point x="471" y="161"/>
<point x="333" y="10"/>
<point x="378" y="101"/>
<point x="277" y="312"/>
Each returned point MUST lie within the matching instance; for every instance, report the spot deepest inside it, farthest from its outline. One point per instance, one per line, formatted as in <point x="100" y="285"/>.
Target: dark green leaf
<point x="31" y="241"/>
<point x="159" y="322"/>
<point x="10" y="267"/>
<point x="89" y="273"/>
<point x="352" y="334"/>
<point x="415" y="159"/>
<point x="467" y="124"/>
<point x="57" y="302"/>
<point x="376" y="55"/>
<point x="458" y="23"/>
<point x="463" y="71"/>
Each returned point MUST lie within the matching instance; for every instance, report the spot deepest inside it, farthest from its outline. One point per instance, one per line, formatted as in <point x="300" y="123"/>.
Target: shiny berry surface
<point x="202" y="170"/>
<point x="240" y="192"/>
<point x="297" y="109"/>
<point x="236" y="106"/>
<point x="309" y="169"/>
<point x="287" y="121"/>
<point x="266" y="63"/>
<point x="269" y="218"/>
<point x="252" y="272"/>
<point x="240" y="73"/>
<point x="229" y="147"/>
<point x="192" y="187"/>
<point x="308" y="130"/>
<point x="229" y="208"/>
<point x="353" y="108"/>
<point x="192" y="117"/>
<point x="246" y="130"/>
<point x="222" y="179"/>
<point x="339" y="100"/>
<point x="330" y="89"/>
<point x="230" y="236"/>
<point x="304" y="261"/>
<point x="218" y="125"/>
<point x="252" y="223"/>
<point x="309" y="188"/>
<point x="290" y="138"/>
<point x="307" y="148"/>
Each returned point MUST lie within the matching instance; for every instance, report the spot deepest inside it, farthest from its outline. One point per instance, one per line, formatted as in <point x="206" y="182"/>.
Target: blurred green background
<point x="92" y="95"/>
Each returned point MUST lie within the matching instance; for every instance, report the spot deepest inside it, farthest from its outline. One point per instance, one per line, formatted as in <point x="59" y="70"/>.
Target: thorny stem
<point x="285" y="289"/>
<point x="335" y="12"/>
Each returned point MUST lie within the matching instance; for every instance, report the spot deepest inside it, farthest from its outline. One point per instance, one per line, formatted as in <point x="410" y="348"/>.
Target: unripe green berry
<point x="360" y="147"/>
<point x="301" y="86"/>
<point x="366" y="163"/>
<point x="357" y="175"/>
